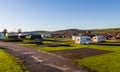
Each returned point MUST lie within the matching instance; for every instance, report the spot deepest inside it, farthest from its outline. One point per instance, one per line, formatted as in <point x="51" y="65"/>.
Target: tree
<point x="19" y="31"/>
<point x="5" y="32"/>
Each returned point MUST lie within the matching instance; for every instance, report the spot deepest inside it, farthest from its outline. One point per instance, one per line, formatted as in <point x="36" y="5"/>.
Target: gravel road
<point x="39" y="61"/>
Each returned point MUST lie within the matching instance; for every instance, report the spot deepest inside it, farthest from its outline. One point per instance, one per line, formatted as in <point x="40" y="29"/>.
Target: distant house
<point x="83" y="39"/>
<point x="1" y="35"/>
<point x="98" y="39"/>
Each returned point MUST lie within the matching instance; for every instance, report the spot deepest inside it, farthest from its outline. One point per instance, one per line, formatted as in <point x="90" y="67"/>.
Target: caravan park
<point x="59" y="35"/>
<point x="89" y="53"/>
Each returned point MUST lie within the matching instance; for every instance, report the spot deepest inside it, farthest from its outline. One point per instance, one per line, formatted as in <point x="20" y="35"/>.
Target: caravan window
<point x="88" y="39"/>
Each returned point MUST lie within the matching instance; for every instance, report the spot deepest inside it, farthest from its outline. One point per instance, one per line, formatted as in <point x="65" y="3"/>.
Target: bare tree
<point x="19" y="31"/>
<point x="5" y="31"/>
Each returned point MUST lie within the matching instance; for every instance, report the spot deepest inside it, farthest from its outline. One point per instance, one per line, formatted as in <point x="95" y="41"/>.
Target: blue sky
<point x="53" y="15"/>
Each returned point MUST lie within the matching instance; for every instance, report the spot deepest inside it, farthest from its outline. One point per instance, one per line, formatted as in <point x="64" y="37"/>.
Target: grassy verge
<point x="10" y="64"/>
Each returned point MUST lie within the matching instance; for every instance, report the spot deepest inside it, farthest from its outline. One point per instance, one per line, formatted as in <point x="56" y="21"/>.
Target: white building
<point x="83" y="39"/>
<point x="1" y="35"/>
<point x="98" y="39"/>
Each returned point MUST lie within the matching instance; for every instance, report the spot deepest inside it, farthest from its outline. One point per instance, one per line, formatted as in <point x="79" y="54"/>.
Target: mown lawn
<point x="9" y="63"/>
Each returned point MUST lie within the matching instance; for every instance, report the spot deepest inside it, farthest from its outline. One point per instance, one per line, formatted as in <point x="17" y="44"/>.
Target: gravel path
<point x="39" y="61"/>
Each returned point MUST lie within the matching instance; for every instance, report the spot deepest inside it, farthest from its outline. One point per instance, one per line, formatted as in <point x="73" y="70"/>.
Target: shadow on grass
<point x="37" y="43"/>
<point x="54" y="40"/>
<point x="58" y="45"/>
<point x="51" y="40"/>
<point x="48" y="45"/>
<point x="82" y="53"/>
<point x="106" y="44"/>
<point x="12" y="40"/>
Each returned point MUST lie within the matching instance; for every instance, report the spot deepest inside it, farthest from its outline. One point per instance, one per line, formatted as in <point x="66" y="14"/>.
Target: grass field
<point x="103" y="63"/>
<point x="10" y="64"/>
<point x="109" y="62"/>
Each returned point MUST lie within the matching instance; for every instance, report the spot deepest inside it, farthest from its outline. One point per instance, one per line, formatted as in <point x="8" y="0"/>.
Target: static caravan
<point x="83" y="39"/>
<point x="73" y="38"/>
<point x="46" y="35"/>
<point x="1" y="35"/>
<point x="98" y="39"/>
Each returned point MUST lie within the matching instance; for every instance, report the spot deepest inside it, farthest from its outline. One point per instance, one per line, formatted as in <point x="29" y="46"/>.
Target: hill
<point x="73" y="31"/>
<point x="108" y="30"/>
<point x="41" y="31"/>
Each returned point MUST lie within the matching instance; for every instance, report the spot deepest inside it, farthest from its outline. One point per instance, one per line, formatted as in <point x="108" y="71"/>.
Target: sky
<point x="51" y="15"/>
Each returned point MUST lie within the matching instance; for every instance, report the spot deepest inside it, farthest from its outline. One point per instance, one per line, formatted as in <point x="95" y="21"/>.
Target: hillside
<point x="108" y="30"/>
<point x="71" y="31"/>
<point x="81" y="31"/>
<point x="41" y="31"/>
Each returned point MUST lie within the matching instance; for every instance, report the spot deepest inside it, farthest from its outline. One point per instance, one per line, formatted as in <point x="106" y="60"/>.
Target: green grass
<point x="52" y="49"/>
<point x="61" y="48"/>
<point x="103" y="63"/>
<point x="10" y="64"/>
<point x="55" y="41"/>
<point x="108" y="42"/>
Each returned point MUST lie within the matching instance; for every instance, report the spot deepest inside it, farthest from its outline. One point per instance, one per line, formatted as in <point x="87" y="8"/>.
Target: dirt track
<point x="39" y="61"/>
